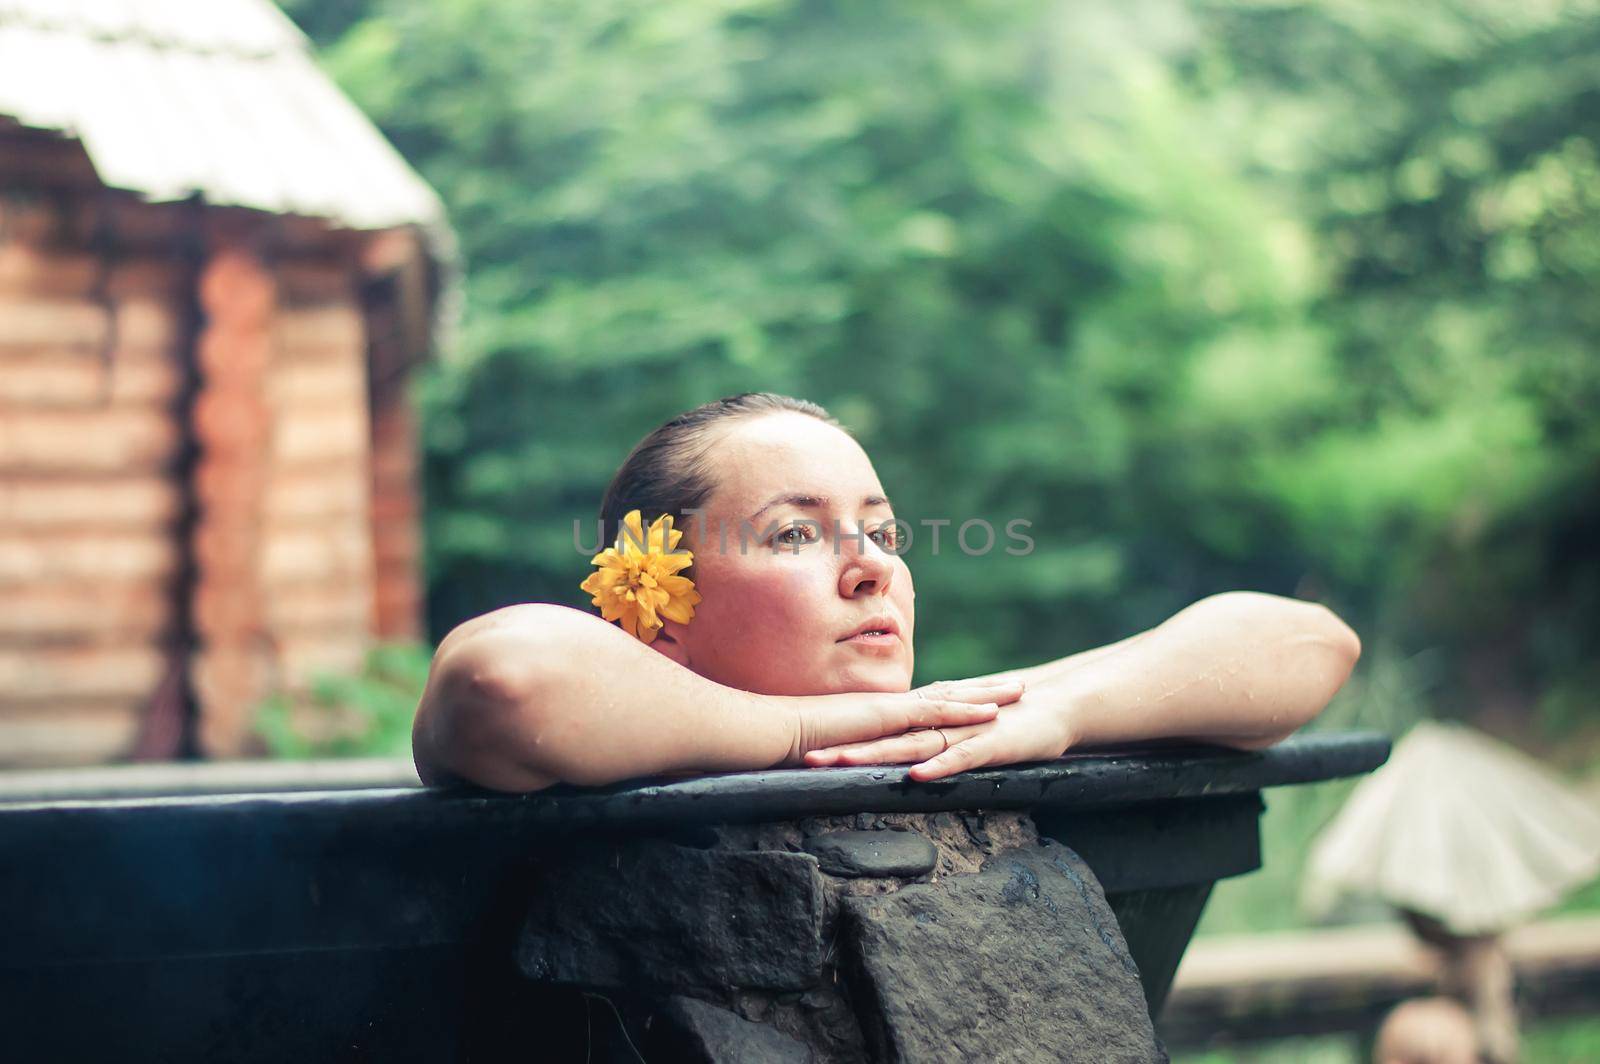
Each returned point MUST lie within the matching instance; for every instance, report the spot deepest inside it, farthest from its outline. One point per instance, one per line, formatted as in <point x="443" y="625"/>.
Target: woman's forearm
<point x="538" y="694"/>
<point x="1036" y="675"/>
<point x="1242" y="669"/>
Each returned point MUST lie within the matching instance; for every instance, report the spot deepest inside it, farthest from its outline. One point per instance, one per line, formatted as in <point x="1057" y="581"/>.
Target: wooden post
<point x="232" y="666"/>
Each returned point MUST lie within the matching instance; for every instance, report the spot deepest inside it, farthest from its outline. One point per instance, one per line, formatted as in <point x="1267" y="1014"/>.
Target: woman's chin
<point x="890" y="678"/>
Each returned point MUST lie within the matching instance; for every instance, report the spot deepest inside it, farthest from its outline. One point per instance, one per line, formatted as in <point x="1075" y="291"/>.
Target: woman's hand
<point x="1029" y="729"/>
<point x="1238" y="669"/>
<point x="847" y="720"/>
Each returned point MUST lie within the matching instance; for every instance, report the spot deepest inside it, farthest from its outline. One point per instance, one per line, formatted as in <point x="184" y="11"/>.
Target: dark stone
<point x="880" y="854"/>
<point x="650" y="914"/>
<point x="697" y="1032"/>
<point x="975" y="829"/>
<point x="1021" y="962"/>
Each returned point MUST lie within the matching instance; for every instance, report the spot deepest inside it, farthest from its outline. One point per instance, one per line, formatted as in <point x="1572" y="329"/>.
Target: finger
<point x="1001" y="691"/>
<point x="951" y="736"/>
<point x="962" y="734"/>
<point x="980" y="681"/>
<point x="961" y="757"/>
<point x="1008" y="691"/>
<point x="890" y="716"/>
<point x="895" y="750"/>
<point x="934" y="714"/>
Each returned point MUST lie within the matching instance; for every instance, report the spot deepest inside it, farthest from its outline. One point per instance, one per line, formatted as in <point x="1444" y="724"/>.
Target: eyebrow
<point x="816" y="502"/>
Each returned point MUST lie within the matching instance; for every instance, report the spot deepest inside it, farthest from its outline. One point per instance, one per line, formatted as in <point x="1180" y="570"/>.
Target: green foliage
<point x="1572" y="1041"/>
<point x="365" y="715"/>
<point x="1550" y="1041"/>
<point x="1290" y="296"/>
<point x="1327" y="1049"/>
<point x="1586" y="899"/>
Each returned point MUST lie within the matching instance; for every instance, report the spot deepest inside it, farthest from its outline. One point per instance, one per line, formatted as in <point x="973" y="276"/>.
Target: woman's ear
<point x="668" y="642"/>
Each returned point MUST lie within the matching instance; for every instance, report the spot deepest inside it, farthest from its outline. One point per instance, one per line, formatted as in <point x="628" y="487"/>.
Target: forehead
<point x="787" y="452"/>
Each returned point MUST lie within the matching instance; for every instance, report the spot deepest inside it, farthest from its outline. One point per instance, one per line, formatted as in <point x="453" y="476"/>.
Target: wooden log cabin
<point x="215" y="279"/>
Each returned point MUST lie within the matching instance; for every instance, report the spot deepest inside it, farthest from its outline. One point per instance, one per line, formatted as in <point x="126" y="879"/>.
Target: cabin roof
<point x="171" y="98"/>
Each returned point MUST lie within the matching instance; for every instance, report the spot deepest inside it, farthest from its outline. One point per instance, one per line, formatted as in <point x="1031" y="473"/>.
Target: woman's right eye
<point x="784" y="538"/>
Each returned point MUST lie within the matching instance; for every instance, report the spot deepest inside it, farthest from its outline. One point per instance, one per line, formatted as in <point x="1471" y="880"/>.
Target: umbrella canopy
<point x="1459" y="827"/>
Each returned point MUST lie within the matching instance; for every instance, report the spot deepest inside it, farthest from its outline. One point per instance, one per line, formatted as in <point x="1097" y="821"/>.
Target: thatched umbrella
<point x="1466" y="837"/>
<point x="1461" y="828"/>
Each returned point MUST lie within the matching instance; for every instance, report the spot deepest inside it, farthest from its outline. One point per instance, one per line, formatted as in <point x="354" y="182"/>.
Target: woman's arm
<point x="1050" y="670"/>
<point x="537" y="694"/>
<point x="1239" y="669"/>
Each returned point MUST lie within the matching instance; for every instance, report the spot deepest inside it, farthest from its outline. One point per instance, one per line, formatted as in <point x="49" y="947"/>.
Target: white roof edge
<point x="220" y="98"/>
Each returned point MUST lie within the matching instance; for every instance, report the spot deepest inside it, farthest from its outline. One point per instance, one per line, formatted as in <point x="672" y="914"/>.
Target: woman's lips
<point x="873" y="639"/>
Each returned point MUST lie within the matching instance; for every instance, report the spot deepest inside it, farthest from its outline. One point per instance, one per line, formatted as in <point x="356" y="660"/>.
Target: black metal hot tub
<point x="383" y="923"/>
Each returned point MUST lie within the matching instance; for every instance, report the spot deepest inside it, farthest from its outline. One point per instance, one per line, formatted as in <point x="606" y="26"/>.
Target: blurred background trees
<point x="1293" y="296"/>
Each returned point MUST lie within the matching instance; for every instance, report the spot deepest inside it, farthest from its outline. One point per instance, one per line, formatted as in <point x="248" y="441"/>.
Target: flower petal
<point x="672" y="563"/>
<point x="674" y="585"/>
<point x="608" y="557"/>
<point x="678" y="610"/>
<point x="656" y="535"/>
<point x="631" y="537"/>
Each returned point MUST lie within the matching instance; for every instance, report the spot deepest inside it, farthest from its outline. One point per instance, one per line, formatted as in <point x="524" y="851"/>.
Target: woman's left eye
<point x="888" y="536"/>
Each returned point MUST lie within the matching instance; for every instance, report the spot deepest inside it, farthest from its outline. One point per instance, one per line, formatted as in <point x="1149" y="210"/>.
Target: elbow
<point x="1328" y="652"/>
<point x="481" y="716"/>
<point x="1336" y="638"/>
<point x="1306" y="644"/>
<point x="1308" y="623"/>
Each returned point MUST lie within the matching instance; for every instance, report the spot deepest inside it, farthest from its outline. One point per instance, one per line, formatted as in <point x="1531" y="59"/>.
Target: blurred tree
<point x="1293" y="296"/>
<point x="1446" y="157"/>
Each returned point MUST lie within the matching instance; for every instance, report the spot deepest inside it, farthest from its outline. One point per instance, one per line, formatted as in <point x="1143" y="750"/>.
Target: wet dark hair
<point x="669" y="470"/>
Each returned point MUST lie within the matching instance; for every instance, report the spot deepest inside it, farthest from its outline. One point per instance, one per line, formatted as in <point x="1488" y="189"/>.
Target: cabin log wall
<point x="303" y="545"/>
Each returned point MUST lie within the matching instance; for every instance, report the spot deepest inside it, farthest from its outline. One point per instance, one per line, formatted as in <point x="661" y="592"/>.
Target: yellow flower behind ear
<point x="637" y="582"/>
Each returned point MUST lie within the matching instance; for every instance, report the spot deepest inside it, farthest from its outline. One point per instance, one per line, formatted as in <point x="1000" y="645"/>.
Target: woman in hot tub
<point x="796" y="650"/>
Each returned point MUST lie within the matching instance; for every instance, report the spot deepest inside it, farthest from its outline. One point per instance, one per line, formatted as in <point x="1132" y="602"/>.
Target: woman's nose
<point x="867" y="569"/>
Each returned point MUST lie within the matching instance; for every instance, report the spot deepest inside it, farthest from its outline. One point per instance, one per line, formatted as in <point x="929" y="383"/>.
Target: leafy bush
<point x="363" y="715"/>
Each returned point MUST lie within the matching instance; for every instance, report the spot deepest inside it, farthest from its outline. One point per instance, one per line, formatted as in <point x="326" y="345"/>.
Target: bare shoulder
<point x="523" y="617"/>
<point x="519" y="615"/>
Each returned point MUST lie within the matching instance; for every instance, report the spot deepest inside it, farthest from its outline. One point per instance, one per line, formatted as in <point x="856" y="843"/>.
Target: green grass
<point x="1338" y="1049"/>
<point x="1585" y="899"/>
<point x="1569" y="1042"/>
<point x="1575" y="1041"/>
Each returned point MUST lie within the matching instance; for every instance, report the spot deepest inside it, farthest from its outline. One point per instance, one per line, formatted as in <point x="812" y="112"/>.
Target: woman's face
<point x="781" y="621"/>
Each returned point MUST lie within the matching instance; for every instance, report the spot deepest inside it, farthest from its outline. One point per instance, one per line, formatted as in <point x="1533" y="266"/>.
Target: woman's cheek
<point x="814" y="589"/>
<point x="772" y="599"/>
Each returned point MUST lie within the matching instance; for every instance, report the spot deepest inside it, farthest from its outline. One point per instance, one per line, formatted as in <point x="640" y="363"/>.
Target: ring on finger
<point x="944" y="737"/>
